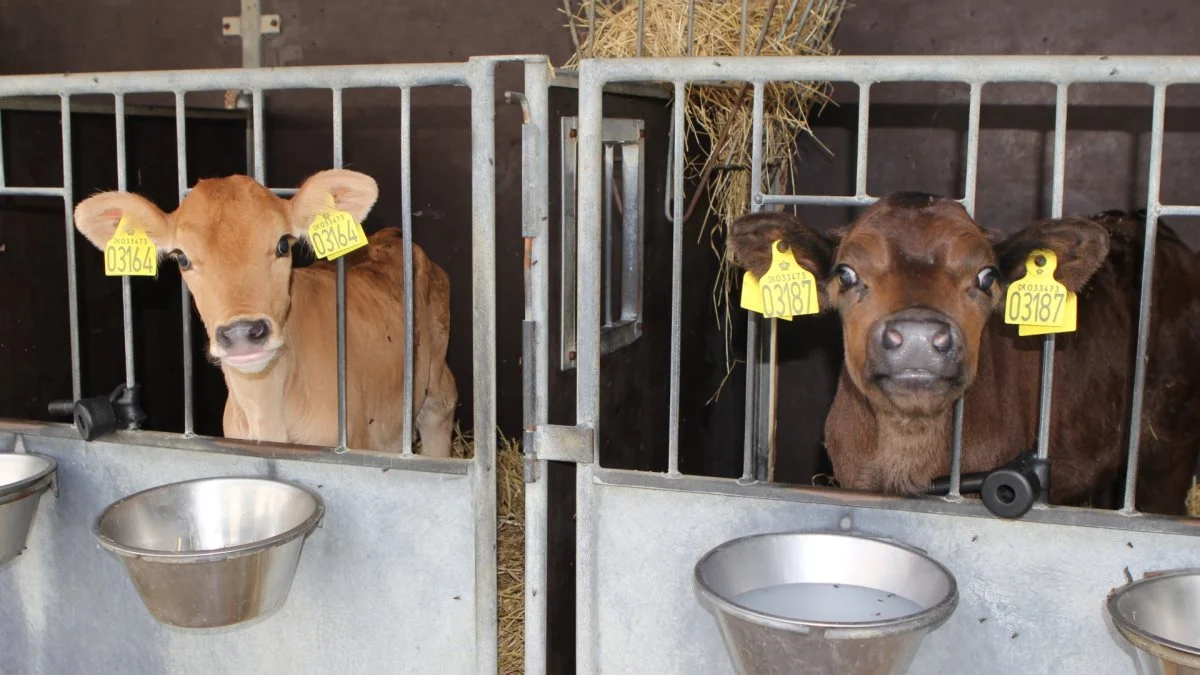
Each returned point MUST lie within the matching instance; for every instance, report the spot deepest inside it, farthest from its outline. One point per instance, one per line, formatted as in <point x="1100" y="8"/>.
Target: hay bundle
<point x="510" y="546"/>
<point x="719" y="118"/>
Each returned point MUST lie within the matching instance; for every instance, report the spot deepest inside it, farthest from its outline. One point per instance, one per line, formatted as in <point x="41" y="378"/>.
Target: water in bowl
<point x="838" y="603"/>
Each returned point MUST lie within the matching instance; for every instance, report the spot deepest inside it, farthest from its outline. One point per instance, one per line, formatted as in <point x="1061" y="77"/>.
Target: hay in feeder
<point x="510" y="546"/>
<point x="719" y="117"/>
<point x="1193" y="500"/>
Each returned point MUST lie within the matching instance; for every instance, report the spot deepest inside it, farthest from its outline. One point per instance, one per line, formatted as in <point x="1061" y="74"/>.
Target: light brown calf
<point x="272" y="328"/>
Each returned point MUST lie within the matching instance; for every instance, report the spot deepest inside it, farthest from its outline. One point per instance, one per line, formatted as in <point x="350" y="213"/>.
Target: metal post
<point x="340" y="300"/>
<point x="185" y="298"/>
<point x="126" y="285"/>
<point x="68" y="195"/>
<point x="753" y="364"/>
<point x="680" y="105"/>
<point x="406" y="224"/>
<point x="1143" y="334"/>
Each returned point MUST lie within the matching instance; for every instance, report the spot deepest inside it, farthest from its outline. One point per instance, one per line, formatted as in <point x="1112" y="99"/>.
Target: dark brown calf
<point x="920" y="290"/>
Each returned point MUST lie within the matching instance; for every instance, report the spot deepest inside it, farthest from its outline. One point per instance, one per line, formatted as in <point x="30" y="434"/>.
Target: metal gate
<point x="402" y="575"/>
<point x="1031" y="591"/>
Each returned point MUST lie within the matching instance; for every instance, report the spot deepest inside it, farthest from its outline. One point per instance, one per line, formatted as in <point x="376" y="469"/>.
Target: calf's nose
<point x="243" y="331"/>
<point x="917" y="340"/>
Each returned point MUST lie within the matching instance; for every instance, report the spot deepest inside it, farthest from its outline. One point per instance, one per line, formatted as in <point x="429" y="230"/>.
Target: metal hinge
<point x="557" y="443"/>
<point x="268" y="24"/>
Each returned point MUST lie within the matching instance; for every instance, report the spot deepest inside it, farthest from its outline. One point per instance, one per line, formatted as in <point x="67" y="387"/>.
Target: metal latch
<point x="557" y="443"/>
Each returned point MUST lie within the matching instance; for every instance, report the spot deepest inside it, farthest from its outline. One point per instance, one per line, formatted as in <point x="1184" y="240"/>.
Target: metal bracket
<point x="269" y="24"/>
<point x="557" y="443"/>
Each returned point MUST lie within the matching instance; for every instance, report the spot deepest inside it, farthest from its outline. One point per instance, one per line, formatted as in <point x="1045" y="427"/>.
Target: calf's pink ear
<point x="751" y="236"/>
<point x="340" y="189"/>
<point x="97" y="217"/>
<point x="1080" y="244"/>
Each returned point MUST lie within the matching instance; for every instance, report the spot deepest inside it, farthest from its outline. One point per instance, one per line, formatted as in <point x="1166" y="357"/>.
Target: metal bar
<point x="251" y="34"/>
<point x="406" y="229"/>
<point x="970" y="182"/>
<point x="1152" y="70"/>
<point x="305" y="77"/>
<point x="3" y="179"/>
<point x="641" y="28"/>
<point x="1143" y="334"/>
<point x="753" y="364"/>
<point x="31" y="192"/>
<point x="126" y="286"/>
<point x="483" y="340"/>
<point x="691" y="40"/>
<point x="1056" y="211"/>
<point x="537" y="218"/>
<point x="340" y="296"/>
<point x="787" y="19"/>
<point x="745" y="23"/>
<point x="260" y="159"/>
<point x="592" y="29"/>
<point x="680" y="105"/>
<point x="860" y="162"/>
<point x="1179" y="211"/>
<point x="817" y="200"/>
<point x="72" y="275"/>
<point x="608" y="234"/>
<point x="185" y="298"/>
<point x="587" y="340"/>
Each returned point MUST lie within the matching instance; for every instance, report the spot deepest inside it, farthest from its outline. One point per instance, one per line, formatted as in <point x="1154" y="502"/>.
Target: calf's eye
<point x="283" y="246"/>
<point x="987" y="278"/>
<point x="846" y="276"/>
<point x="182" y="260"/>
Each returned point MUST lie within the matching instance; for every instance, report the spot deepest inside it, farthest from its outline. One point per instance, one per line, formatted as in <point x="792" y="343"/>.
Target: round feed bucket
<point x="24" y="477"/>
<point x="1158" y="616"/>
<point x="212" y="552"/>
<point x="823" y="603"/>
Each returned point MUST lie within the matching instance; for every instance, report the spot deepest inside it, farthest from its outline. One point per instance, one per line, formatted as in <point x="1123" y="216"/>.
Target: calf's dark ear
<point x="1080" y="244"/>
<point x="750" y="238"/>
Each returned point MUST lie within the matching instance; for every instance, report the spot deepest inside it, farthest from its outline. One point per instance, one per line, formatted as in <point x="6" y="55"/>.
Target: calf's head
<point x="915" y="281"/>
<point x="232" y="239"/>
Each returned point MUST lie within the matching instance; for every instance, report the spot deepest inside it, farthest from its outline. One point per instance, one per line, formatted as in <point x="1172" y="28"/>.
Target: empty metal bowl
<point x="23" y="479"/>
<point x="1160" y="616"/>
<point x="836" y="604"/>
<point x="212" y="552"/>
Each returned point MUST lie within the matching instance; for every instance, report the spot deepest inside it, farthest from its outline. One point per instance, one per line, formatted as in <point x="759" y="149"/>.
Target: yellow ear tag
<point x="335" y="233"/>
<point x="1037" y="303"/>
<point x="130" y="254"/>
<point x="785" y="291"/>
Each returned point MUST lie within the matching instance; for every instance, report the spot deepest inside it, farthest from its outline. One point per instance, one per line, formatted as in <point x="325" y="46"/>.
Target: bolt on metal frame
<point x="976" y="71"/>
<point x="478" y="74"/>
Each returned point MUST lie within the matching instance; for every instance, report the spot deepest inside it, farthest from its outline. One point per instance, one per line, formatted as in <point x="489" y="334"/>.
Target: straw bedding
<point x="719" y="118"/>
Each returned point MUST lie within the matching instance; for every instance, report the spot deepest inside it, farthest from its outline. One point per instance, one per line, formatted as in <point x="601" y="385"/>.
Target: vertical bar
<point x="591" y="41"/>
<point x="537" y="216"/>
<point x="745" y="22"/>
<point x="754" y="320"/>
<point x="641" y="32"/>
<point x="406" y="224"/>
<point x="1143" y="336"/>
<point x="677" y="161"/>
<point x="72" y="276"/>
<point x="970" y="181"/>
<point x="260" y="159"/>
<point x="1056" y="211"/>
<point x="587" y="339"/>
<point x="126" y="286"/>
<point x="3" y="180"/>
<point x="251" y="34"/>
<point x="483" y="341"/>
<point x="864" y="115"/>
<point x="608" y="233"/>
<point x="341" y="285"/>
<point x="691" y="45"/>
<point x="185" y="298"/>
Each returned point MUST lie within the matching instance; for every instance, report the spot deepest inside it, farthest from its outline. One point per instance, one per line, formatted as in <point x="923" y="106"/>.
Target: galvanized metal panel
<point x="1031" y="593"/>
<point x="387" y="584"/>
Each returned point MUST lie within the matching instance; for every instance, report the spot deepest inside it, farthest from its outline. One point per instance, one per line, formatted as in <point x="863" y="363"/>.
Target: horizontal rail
<point x="300" y="77"/>
<point x="31" y="192"/>
<point x="1153" y="70"/>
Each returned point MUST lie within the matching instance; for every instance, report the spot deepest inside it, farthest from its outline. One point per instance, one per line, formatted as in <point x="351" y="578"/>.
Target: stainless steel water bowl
<point x="1158" y="615"/>
<point x="813" y="602"/>
<point x="23" y="479"/>
<point x="212" y="552"/>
